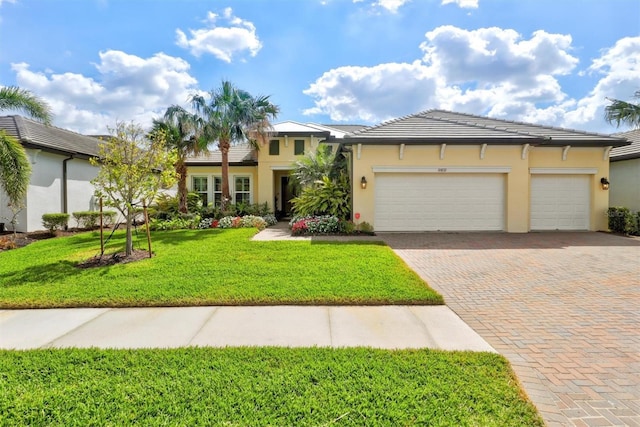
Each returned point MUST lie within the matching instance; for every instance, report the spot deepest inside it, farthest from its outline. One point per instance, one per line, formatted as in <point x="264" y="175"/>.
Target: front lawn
<point x="259" y="387"/>
<point x="208" y="267"/>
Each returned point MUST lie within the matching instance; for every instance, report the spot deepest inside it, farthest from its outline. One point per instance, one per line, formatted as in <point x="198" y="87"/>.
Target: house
<point x="262" y="176"/>
<point x="61" y="173"/>
<point x="437" y="171"/>
<point x="625" y="173"/>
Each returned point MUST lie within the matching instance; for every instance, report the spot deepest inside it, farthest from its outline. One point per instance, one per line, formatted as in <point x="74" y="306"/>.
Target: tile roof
<point x="630" y="151"/>
<point x="238" y="155"/>
<point x="437" y="126"/>
<point x="34" y="134"/>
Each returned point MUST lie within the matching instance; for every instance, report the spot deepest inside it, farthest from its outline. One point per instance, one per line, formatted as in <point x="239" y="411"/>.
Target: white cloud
<point x="487" y="71"/>
<point x="372" y="93"/>
<point x="223" y="42"/>
<point x="391" y="5"/>
<point x="619" y="67"/>
<point x="464" y="4"/>
<point x="126" y="88"/>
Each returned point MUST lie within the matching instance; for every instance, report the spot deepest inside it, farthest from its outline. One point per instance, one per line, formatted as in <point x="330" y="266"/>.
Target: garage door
<point x="433" y="202"/>
<point x="560" y="202"/>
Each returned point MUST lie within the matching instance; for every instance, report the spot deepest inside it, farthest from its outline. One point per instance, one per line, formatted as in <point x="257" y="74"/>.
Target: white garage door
<point x="432" y="202"/>
<point x="560" y="202"/>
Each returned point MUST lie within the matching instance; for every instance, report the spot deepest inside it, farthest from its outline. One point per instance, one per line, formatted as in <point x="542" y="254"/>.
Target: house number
<point x="442" y="169"/>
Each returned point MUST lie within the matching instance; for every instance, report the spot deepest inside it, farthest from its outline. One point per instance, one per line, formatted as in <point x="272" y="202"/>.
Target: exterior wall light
<point x="604" y="182"/>
<point x="363" y="183"/>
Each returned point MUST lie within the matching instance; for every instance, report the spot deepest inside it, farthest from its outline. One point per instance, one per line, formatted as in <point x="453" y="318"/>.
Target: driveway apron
<point x="564" y="308"/>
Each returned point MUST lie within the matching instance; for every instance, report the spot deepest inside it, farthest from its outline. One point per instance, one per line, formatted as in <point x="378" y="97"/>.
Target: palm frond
<point x="15" y="98"/>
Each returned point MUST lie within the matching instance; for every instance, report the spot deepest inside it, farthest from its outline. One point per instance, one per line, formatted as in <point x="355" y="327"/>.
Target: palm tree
<point x="623" y="112"/>
<point x="14" y="98"/>
<point x="230" y="116"/>
<point x="179" y="128"/>
<point x="15" y="170"/>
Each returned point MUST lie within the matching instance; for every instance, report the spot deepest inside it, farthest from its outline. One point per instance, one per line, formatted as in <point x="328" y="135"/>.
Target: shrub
<point x="621" y="220"/>
<point x="7" y="243"/>
<point x="258" y="222"/>
<point x="54" y="221"/>
<point x="90" y="219"/>
<point x="270" y="219"/>
<point x="365" y="227"/>
<point x="327" y="197"/>
<point x="186" y="221"/>
<point x="326" y="224"/>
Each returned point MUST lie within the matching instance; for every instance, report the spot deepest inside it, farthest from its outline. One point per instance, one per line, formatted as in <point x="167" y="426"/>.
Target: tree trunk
<point x="226" y="197"/>
<point x="181" y="170"/>
<point x="128" y="249"/>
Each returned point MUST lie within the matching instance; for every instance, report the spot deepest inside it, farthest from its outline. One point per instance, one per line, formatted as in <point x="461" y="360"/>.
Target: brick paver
<point x="564" y="308"/>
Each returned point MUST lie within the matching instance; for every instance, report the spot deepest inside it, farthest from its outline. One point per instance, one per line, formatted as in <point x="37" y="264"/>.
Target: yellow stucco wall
<point x="368" y="157"/>
<point x="273" y="167"/>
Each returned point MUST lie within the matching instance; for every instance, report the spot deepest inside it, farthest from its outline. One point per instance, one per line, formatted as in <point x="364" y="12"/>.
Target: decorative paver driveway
<point x="564" y="308"/>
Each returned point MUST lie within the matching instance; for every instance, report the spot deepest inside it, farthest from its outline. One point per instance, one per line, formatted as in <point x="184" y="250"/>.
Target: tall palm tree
<point x="179" y="128"/>
<point x="229" y="116"/>
<point x="623" y="112"/>
<point x="15" y="170"/>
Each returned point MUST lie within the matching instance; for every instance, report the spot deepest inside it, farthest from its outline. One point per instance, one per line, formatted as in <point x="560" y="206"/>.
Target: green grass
<point x="209" y="267"/>
<point x="260" y="386"/>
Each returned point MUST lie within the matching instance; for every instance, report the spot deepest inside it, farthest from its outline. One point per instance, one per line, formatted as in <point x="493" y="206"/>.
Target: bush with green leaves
<point x="55" y="221"/>
<point x="326" y="224"/>
<point x="166" y="206"/>
<point x="270" y="219"/>
<point x="622" y="220"/>
<point x="325" y="197"/>
<point x="90" y="219"/>
<point x="180" y="222"/>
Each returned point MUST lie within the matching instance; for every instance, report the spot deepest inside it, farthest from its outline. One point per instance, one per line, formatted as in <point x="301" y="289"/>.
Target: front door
<point x="288" y="193"/>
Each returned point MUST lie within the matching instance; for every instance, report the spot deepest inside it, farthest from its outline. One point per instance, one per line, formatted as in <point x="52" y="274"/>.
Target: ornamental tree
<point x="133" y="169"/>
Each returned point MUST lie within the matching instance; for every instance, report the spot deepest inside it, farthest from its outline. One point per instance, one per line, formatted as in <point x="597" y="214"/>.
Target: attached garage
<point x="560" y="202"/>
<point x="439" y="201"/>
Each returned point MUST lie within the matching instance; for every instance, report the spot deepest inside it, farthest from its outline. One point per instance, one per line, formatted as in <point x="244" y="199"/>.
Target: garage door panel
<point x="560" y="202"/>
<point x="432" y="202"/>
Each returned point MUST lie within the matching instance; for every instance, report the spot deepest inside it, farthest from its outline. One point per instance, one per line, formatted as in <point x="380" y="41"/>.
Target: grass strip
<point x="260" y="387"/>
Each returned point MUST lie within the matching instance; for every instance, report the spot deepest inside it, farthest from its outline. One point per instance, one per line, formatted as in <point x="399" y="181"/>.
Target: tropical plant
<point x="228" y="116"/>
<point x="133" y="168"/>
<point x="325" y="197"/>
<point x="312" y="167"/>
<point x="623" y="112"/>
<point x="15" y="170"/>
<point x="179" y="129"/>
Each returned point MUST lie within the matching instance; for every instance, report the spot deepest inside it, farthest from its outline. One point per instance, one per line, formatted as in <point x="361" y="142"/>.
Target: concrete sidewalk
<point x="392" y="327"/>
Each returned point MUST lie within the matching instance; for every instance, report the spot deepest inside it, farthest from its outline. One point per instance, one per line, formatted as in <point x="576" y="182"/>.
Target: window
<point x="200" y="186"/>
<point x="298" y="148"/>
<point x="217" y="191"/>
<point x="243" y="189"/>
<point x="274" y="147"/>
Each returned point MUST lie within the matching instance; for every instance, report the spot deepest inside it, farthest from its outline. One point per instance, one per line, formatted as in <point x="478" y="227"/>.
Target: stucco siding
<point x="625" y="184"/>
<point x="515" y="162"/>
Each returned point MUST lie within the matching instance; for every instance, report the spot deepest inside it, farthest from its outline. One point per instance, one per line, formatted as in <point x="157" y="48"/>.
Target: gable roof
<point x="239" y="155"/>
<point x="630" y="151"/>
<point x="440" y="126"/>
<point x="37" y="135"/>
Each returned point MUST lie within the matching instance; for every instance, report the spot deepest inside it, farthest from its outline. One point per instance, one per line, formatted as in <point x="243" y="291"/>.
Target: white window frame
<point x="216" y="201"/>
<point x="249" y="191"/>
<point x="206" y="193"/>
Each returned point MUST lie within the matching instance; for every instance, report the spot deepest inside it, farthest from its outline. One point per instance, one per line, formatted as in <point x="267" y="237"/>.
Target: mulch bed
<point x="24" y="239"/>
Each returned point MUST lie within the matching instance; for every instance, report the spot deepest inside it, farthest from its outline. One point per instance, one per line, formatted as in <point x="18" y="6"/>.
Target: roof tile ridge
<point x="36" y="123"/>
<point x="477" y="125"/>
<point x="21" y="128"/>
<point x="387" y="122"/>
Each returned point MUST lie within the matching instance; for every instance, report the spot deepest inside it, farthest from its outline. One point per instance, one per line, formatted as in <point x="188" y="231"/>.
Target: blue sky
<point x="326" y="61"/>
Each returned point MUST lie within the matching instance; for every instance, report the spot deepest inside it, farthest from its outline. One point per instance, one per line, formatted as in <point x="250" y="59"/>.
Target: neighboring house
<point x="436" y="170"/>
<point x="61" y="173"/>
<point x="625" y="173"/>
